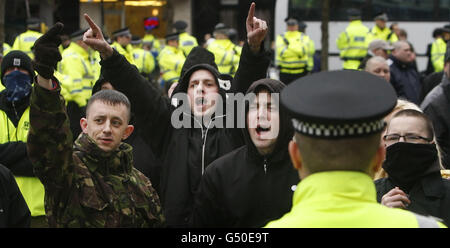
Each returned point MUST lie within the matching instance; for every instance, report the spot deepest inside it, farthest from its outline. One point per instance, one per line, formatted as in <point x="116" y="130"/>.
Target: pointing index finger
<point x="91" y="23"/>
<point x="251" y="12"/>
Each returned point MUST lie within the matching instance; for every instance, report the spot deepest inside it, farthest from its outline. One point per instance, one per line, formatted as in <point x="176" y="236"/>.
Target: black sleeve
<point x="208" y="209"/>
<point x="150" y="107"/>
<point x="16" y="209"/>
<point x="251" y="68"/>
<point x="441" y="134"/>
<point x="14" y="156"/>
<point x="397" y="85"/>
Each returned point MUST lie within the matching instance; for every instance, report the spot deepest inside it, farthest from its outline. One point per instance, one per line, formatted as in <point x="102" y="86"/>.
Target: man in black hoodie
<point x="253" y="184"/>
<point x="185" y="151"/>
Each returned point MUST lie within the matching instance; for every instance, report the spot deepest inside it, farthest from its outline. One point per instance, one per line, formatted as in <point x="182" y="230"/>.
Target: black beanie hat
<point x="19" y="59"/>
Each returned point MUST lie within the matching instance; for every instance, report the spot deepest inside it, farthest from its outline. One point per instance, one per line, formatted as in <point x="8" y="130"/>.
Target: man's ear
<point x="83" y="124"/>
<point x="294" y="153"/>
<point x="128" y="132"/>
<point x="377" y="160"/>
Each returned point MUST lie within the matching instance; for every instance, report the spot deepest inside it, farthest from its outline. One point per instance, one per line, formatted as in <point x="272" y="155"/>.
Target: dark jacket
<point x="14" y="211"/>
<point x="84" y="185"/>
<point x="406" y="80"/>
<point x="436" y="106"/>
<point x="429" y="196"/>
<point x="13" y="154"/>
<point x="144" y="159"/>
<point x="245" y="188"/>
<point x="184" y="151"/>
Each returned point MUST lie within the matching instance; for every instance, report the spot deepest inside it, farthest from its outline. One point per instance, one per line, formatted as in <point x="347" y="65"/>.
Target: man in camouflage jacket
<point x="91" y="183"/>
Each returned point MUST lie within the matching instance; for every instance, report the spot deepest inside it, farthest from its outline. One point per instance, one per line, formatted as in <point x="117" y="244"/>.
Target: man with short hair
<point x="378" y="66"/>
<point x="436" y="106"/>
<point x="186" y="149"/>
<point x="92" y="182"/>
<point x="404" y="76"/>
<point x="253" y="184"/>
<point x="414" y="180"/>
<point x="336" y="150"/>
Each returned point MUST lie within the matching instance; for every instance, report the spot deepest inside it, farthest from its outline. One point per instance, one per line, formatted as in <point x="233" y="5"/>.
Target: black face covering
<point x="406" y="163"/>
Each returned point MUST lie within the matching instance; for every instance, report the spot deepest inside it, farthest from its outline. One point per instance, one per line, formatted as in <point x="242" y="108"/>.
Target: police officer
<point x="293" y="52"/>
<point x="338" y="121"/>
<point x="143" y="59"/>
<point x="26" y="40"/>
<point x="311" y="50"/>
<point x="438" y="49"/>
<point x="171" y="60"/>
<point x="353" y="42"/>
<point x="152" y="41"/>
<point x="187" y="41"/>
<point x="380" y="31"/>
<point x="17" y="77"/>
<point x="226" y="53"/>
<point x="122" y="39"/>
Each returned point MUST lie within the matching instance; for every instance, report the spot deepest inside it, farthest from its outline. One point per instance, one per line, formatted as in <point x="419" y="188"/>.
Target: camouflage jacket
<point x="85" y="186"/>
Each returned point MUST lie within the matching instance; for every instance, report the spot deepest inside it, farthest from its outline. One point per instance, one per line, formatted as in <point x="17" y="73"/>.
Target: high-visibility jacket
<point x="342" y="199"/>
<point x="31" y="187"/>
<point x="171" y="60"/>
<point x="383" y="34"/>
<point x="25" y="41"/>
<point x="353" y="44"/>
<point x="293" y="50"/>
<point x="127" y="51"/>
<point x="6" y="48"/>
<point x="155" y="47"/>
<point x="187" y="43"/>
<point x="145" y="62"/>
<point x="76" y="64"/>
<point x="226" y="54"/>
<point x="438" y="49"/>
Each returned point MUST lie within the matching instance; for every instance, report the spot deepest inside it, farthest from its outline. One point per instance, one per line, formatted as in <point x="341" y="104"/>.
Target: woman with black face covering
<point x="412" y="163"/>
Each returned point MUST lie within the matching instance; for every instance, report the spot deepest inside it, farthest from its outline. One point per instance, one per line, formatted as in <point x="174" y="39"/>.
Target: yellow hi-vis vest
<point x="187" y="43"/>
<point x="438" y="49"/>
<point x="342" y="199"/>
<point x="31" y="187"/>
<point x="226" y="55"/>
<point x="76" y="64"/>
<point x="25" y="41"/>
<point x="145" y="62"/>
<point x="171" y="61"/>
<point x="293" y="50"/>
<point x="353" y="44"/>
<point x="385" y="34"/>
<point x="127" y="51"/>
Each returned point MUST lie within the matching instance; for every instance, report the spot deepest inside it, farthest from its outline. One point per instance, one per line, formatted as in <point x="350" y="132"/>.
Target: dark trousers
<point x="287" y="78"/>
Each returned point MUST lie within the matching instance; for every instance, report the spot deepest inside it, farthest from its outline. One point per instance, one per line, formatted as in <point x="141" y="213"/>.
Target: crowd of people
<point x="89" y="138"/>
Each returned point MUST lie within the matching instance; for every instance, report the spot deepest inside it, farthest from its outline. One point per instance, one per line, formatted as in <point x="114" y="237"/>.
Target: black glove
<point x="46" y="52"/>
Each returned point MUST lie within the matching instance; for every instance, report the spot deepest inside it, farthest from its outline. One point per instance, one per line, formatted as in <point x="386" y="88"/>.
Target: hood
<point x="286" y="131"/>
<point x="200" y="58"/>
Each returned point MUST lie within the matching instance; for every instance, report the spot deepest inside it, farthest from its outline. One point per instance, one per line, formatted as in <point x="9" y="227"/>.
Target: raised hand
<point x="93" y="37"/>
<point x="46" y="52"/>
<point x="256" y="29"/>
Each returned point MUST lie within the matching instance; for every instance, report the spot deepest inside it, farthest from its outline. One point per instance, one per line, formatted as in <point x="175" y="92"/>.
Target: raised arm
<point x="254" y="59"/>
<point x="150" y="107"/>
<point x="49" y="141"/>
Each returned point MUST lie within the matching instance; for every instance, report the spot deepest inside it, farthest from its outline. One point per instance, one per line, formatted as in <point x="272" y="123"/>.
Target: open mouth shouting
<point x="261" y="130"/>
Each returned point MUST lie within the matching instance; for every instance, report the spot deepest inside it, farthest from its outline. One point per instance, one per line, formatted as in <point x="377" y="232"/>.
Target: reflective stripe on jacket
<point x="226" y="54"/>
<point x="25" y="41"/>
<point x="353" y="44"/>
<point x="293" y="52"/>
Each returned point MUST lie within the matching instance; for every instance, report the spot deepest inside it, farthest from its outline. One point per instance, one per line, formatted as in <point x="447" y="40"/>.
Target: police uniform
<point x="383" y="34"/>
<point x="126" y="51"/>
<point x="437" y="53"/>
<point x="171" y="61"/>
<point x="333" y="106"/>
<point x="154" y="44"/>
<point x="143" y="59"/>
<point x="76" y="63"/>
<point x="187" y="41"/>
<point x="353" y="42"/>
<point x="226" y="53"/>
<point x="26" y="40"/>
<point x="295" y="51"/>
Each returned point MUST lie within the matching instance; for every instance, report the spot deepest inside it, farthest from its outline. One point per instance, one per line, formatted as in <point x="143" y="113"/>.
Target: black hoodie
<point x="245" y="188"/>
<point x="183" y="151"/>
